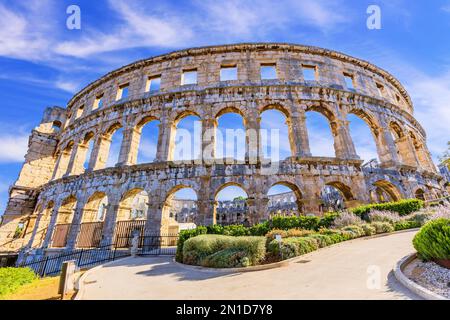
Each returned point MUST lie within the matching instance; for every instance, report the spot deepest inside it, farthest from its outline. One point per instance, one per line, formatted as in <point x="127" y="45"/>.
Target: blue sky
<point x="42" y="63"/>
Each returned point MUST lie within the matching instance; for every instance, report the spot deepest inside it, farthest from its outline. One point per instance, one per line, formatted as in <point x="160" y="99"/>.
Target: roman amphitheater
<point x="58" y="203"/>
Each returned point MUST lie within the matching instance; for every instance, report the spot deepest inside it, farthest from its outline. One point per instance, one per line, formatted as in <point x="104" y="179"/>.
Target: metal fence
<point x="153" y="245"/>
<point x="51" y="265"/>
<point x="124" y="230"/>
<point x="149" y="245"/>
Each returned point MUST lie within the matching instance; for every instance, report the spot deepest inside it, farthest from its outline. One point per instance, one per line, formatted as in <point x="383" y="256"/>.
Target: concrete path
<point x="358" y="269"/>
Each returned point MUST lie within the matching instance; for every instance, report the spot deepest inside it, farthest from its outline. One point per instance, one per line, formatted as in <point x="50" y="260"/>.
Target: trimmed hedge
<point x="214" y="250"/>
<point x="13" y="278"/>
<point x="403" y="225"/>
<point x="184" y="236"/>
<point x="301" y="222"/>
<point x="293" y="247"/>
<point x="433" y="240"/>
<point x="402" y="207"/>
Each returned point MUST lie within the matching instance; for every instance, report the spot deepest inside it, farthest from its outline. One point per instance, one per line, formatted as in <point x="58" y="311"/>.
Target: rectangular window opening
<point x="98" y="103"/>
<point x="123" y="91"/>
<point x="189" y="77"/>
<point x="309" y="73"/>
<point x="349" y="81"/>
<point x="153" y="84"/>
<point x="268" y="71"/>
<point x="80" y="111"/>
<point x="228" y="73"/>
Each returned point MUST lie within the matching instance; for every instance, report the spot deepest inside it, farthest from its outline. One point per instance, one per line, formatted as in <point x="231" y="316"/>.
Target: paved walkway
<point x="348" y="270"/>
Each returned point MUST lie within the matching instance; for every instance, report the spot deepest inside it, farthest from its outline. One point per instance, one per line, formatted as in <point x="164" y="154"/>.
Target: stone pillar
<point x="129" y="147"/>
<point x="209" y="127"/>
<point x="407" y="151"/>
<point x="343" y="143"/>
<point x="100" y="153"/>
<point x="387" y="151"/>
<point x="154" y="222"/>
<point x="206" y="212"/>
<point x="166" y="137"/>
<point x="298" y="135"/>
<point x="252" y="145"/>
<point x="110" y="222"/>
<point x="51" y="226"/>
<point x="75" y="226"/>
<point x="257" y="209"/>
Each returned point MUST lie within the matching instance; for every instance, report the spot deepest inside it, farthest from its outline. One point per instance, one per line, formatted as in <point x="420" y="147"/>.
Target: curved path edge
<point x="411" y="285"/>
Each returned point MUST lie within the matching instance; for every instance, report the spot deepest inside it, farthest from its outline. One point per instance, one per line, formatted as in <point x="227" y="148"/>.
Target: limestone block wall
<point x="58" y="148"/>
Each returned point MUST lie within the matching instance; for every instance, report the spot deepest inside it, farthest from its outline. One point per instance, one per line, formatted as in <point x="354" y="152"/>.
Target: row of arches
<point x="56" y="226"/>
<point x="320" y="132"/>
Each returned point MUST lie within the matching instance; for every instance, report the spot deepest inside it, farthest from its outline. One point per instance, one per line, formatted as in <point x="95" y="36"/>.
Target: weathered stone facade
<point x="55" y="190"/>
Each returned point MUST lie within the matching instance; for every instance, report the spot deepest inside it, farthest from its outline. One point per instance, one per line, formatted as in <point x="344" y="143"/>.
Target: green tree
<point x="445" y="159"/>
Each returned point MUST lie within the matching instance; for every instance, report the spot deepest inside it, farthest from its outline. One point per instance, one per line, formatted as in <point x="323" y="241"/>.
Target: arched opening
<point x="147" y="139"/>
<point x="275" y="139"/>
<point x="386" y="191"/>
<point x="94" y="212"/>
<point x="401" y="143"/>
<point x="284" y="200"/>
<point x="230" y="136"/>
<point x="363" y="138"/>
<point x="419" y="194"/>
<point x="187" y="139"/>
<point x="180" y="210"/>
<point x="63" y="222"/>
<point x="109" y="147"/>
<point x="334" y="196"/>
<point x="56" y="126"/>
<point x="421" y="153"/>
<point x="84" y="152"/>
<point x="230" y="205"/>
<point x="131" y="216"/>
<point x="64" y="159"/>
<point x="44" y="221"/>
<point x="321" y="139"/>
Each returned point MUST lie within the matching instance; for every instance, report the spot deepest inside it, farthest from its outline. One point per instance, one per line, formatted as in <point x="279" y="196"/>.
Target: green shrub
<point x="402" y="207"/>
<point x="215" y="229"/>
<point x="433" y="240"/>
<point x="13" y="278"/>
<point x="301" y="222"/>
<point x="368" y="229"/>
<point x="287" y="233"/>
<point x="357" y="231"/>
<point x="185" y="235"/>
<point x="260" y="229"/>
<point x="327" y="220"/>
<point x="322" y="239"/>
<point x="406" y="224"/>
<point x="382" y="227"/>
<point x="237" y="230"/>
<point x="204" y="250"/>
<point x="227" y="258"/>
<point x="293" y="247"/>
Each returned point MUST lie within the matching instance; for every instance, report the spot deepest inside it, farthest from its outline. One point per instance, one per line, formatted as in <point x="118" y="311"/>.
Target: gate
<point x="60" y="235"/>
<point x="124" y="231"/>
<point x="153" y="245"/>
<point x="90" y="235"/>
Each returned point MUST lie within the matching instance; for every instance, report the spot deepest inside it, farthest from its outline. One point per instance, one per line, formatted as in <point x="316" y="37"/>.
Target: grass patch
<point x="13" y="278"/>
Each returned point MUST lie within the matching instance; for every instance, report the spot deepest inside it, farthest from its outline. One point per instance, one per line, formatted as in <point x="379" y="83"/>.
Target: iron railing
<point x="153" y="245"/>
<point x="148" y="245"/>
<point x="84" y="258"/>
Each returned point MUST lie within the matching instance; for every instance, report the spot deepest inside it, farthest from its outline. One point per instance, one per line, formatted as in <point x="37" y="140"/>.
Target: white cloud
<point x="431" y="95"/>
<point x="13" y="148"/>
